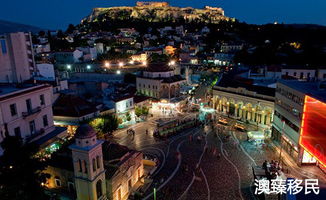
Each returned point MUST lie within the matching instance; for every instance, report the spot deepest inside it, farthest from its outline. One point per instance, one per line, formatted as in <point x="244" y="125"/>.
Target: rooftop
<point x="8" y="91"/>
<point x="231" y="80"/>
<point x="316" y="90"/>
<point x="72" y="106"/>
<point x="158" y="67"/>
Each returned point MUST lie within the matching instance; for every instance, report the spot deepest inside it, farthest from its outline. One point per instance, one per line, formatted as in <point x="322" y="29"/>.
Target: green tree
<point x="138" y="111"/>
<point x="21" y="172"/>
<point x="105" y="124"/>
<point x="128" y="116"/>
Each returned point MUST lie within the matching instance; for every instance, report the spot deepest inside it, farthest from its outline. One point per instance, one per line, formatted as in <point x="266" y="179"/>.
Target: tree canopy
<point x="21" y="172"/>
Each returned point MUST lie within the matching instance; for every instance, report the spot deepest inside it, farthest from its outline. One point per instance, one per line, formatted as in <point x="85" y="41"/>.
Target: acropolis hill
<point x="158" y="12"/>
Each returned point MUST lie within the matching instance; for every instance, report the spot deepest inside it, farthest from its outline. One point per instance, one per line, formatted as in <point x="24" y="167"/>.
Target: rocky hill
<point x="157" y="12"/>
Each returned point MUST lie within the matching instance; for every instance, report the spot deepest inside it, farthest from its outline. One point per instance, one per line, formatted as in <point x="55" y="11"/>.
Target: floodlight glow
<point x="68" y="66"/>
<point x="118" y="72"/>
<point x="121" y="64"/>
<point x="107" y="64"/>
<point x="88" y="67"/>
<point x="313" y="126"/>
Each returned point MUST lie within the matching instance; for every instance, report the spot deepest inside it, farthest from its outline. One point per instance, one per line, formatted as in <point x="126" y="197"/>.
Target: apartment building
<point x="26" y="112"/>
<point x="16" y="57"/>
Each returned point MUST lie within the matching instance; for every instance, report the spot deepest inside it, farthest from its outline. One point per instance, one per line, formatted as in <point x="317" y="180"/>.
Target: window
<point x="32" y="127"/>
<point x="98" y="162"/>
<point x="3" y="46"/>
<point x="13" y="109"/>
<point x="99" y="192"/>
<point x="57" y="181"/>
<point x="29" y="105"/>
<point x="42" y="101"/>
<point x="80" y="165"/>
<point x="94" y="165"/>
<point x="17" y="132"/>
<point x="45" y="120"/>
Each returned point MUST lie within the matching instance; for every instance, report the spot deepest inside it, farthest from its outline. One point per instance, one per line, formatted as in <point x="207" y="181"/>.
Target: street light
<point x="172" y="62"/>
<point x="68" y="66"/>
<point x="121" y="64"/>
<point x="107" y="64"/>
<point x="145" y="63"/>
<point x="131" y="62"/>
<point x="118" y="72"/>
<point x="88" y="67"/>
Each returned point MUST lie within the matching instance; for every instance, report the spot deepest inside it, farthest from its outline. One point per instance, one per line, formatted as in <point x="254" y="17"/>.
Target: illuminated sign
<point x="313" y="129"/>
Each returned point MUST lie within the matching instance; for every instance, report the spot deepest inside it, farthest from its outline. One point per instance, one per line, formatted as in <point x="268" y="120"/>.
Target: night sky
<point x="57" y="14"/>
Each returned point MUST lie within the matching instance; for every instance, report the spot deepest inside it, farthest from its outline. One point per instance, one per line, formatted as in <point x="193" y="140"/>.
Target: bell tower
<point x="88" y="163"/>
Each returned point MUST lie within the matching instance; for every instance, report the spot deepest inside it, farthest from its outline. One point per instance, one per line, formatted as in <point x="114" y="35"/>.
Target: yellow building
<point x="93" y="169"/>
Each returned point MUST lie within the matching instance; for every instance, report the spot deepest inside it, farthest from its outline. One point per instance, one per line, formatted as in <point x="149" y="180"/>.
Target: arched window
<point x="85" y="166"/>
<point x="98" y="162"/>
<point x="99" y="192"/>
<point x="94" y="165"/>
<point x="80" y="165"/>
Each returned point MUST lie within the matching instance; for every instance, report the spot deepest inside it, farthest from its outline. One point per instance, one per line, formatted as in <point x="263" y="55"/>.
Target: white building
<point x="159" y="81"/>
<point x="26" y="112"/>
<point x="16" y="57"/>
<point x="46" y="70"/>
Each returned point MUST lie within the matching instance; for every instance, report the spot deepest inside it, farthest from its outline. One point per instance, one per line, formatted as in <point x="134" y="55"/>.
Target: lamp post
<point x="154" y="193"/>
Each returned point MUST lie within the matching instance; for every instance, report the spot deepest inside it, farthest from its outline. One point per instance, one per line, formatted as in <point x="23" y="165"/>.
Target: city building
<point x="16" y="57"/>
<point x="246" y="102"/>
<point x="299" y="121"/>
<point x="68" y="57"/>
<point x="93" y="169"/>
<point x="124" y="107"/>
<point x="159" y="81"/>
<point x="70" y="110"/>
<point x="26" y="112"/>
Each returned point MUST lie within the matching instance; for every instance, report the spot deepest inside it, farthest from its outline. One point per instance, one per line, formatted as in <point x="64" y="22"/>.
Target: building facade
<point x="16" y="57"/>
<point x="27" y="113"/>
<point x="288" y="127"/>
<point x="160" y="82"/>
<point x="245" y="105"/>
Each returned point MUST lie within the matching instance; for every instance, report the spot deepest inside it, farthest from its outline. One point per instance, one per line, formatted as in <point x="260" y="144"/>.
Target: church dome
<point x="85" y="131"/>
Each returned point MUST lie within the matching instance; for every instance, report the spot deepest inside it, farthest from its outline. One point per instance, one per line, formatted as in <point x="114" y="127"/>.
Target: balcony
<point x="31" y="112"/>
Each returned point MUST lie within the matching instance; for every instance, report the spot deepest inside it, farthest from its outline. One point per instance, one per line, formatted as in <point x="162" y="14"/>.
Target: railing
<point x="32" y="111"/>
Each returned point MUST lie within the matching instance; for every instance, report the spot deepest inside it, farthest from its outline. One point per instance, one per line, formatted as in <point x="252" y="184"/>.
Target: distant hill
<point x="157" y="12"/>
<point x="9" y="27"/>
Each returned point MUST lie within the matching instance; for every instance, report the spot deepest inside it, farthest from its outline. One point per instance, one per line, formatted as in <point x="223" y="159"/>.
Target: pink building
<point x="26" y="112"/>
<point x="16" y="57"/>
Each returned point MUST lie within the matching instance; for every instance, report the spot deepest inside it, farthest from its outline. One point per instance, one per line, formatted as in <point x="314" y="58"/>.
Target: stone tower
<point x="89" y="169"/>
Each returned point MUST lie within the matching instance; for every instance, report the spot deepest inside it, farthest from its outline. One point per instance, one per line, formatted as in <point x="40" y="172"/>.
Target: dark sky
<point x="59" y="13"/>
